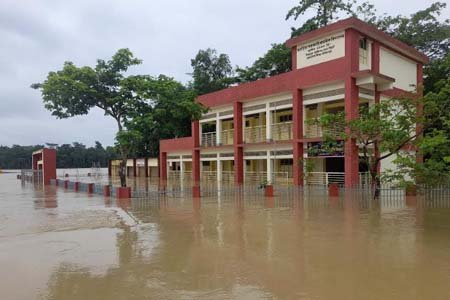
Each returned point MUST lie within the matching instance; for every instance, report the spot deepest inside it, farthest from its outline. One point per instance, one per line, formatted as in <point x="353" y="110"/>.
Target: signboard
<point x="318" y="149"/>
<point x="321" y="50"/>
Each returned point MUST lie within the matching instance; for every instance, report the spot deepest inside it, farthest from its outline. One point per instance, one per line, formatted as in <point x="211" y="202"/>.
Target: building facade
<point x="261" y="131"/>
<point x="136" y="167"/>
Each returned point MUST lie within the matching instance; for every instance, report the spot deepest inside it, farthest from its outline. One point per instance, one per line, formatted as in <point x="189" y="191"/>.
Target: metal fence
<point x="362" y="196"/>
<point x="33" y="176"/>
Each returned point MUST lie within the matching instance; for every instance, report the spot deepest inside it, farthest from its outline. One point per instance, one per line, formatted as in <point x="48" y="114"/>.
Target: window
<point x="285" y="118"/>
<point x="286" y="162"/>
<point x="363" y="53"/>
<point x="363" y="43"/>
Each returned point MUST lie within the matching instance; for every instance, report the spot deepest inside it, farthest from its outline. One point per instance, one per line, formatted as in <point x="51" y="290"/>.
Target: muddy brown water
<point x="57" y="244"/>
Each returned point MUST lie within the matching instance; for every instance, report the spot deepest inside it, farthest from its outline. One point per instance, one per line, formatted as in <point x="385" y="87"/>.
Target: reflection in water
<point x="299" y="246"/>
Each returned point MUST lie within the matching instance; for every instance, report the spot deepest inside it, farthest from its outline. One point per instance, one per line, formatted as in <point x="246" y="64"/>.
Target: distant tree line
<point x="75" y="155"/>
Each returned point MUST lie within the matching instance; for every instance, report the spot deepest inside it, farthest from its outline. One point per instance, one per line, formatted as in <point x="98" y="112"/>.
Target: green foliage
<point x="75" y="155"/>
<point x="422" y="30"/>
<point x="307" y="165"/>
<point x="211" y="71"/>
<point x="435" y="145"/>
<point x="275" y="61"/>
<point x="389" y="125"/>
<point x="326" y="11"/>
<point x="436" y="74"/>
<point x="73" y="91"/>
<point x="167" y="113"/>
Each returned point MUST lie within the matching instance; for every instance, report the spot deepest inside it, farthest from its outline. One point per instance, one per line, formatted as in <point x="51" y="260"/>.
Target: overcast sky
<point x="37" y="36"/>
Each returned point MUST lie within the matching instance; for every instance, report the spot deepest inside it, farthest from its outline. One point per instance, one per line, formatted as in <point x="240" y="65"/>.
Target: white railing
<point x="173" y="174"/>
<point x="260" y="177"/>
<point x="228" y="176"/>
<point x="315" y="130"/>
<point x="208" y="175"/>
<point x="34" y="176"/>
<point x="209" y="139"/>
<point x="227" y="137"/>
<point x="324" y="178"/>
<point x="282" y="131"/>
<point x="255" y="134"/>
<point x="365" y="179"/>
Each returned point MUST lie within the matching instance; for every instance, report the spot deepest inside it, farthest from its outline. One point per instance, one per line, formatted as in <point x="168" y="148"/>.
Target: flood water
<point x="57" y="244"/>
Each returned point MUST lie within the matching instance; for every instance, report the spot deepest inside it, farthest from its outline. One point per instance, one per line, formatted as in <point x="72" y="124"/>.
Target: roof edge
<point x="364" y="28"/>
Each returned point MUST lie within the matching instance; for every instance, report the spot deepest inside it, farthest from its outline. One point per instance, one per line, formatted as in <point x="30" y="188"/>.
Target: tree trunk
<point x="123" y="163"/>
<point x="122" y="172"/>
<point x="375" y="181"/>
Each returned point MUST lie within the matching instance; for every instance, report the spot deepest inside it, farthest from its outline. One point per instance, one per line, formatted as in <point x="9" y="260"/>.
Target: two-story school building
<point x="259" y="131"/>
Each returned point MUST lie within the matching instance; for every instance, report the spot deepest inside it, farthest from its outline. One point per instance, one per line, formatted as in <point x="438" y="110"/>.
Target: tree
<point x="275" y="61"/>
<point x="211" y="71"/>
<point x="436" y="73"/>
<point x="326" y="11"/>
<point x="75" y="155"/>
<point x="388" y="129"/>
<point x="74" y="91"/>
<point x="382" y="130"/>
<point x="422" y="30"/>
<point x="167" y="113"/>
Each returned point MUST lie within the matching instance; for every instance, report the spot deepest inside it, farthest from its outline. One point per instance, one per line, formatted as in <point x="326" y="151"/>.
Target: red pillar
<point x="106" y="190"/>
<point x="146" y="167"/>
<point x="48" y="165"/>
<point x="163" y="166"/>
<point x="134" y="167"/>
<point x="297" y="118"/>
<point x="375" y="57"/>
<point x="90" y="188"/>
<point x="294" y="58"/>
<point x="196" y="153"/>
<point x="351" y="106"/>
<point x="238" y="144"/>
<point x="109" y="168"/>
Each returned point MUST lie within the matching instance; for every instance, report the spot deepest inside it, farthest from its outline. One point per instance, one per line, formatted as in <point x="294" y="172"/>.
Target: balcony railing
<point x="317" y="131"/>
<point x="325" y="178"/>
<point x="209" y="139"/>
<point x="260" y="177"/>
<point x="228" y="176"/>
<point x="227" y="137"/>
<point x="282" y="131"/>
<point x="208" y="175"/>
<point x="255" y="134"/>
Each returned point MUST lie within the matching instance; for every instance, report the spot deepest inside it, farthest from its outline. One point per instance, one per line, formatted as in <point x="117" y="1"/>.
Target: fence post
<point x="90" y="188"/>
<point x="106" y="191"/>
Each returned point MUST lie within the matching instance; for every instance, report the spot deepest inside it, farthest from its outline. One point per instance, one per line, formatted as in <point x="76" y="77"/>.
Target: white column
<point x="218" y="130"/>
<point x="269" y="168"/>
<point x="304" y="120"/>
<point x="200" y="133"/>
<point x="243" y="129"/>
<point x="268" y="122"/>
<point x="219" y="168"/>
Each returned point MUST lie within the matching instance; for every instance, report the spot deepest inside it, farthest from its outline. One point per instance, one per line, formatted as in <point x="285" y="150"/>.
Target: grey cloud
<point x="37" y="36"/>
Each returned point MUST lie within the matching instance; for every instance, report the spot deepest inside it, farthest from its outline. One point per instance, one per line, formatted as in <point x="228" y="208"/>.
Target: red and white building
<point x="258" y="131"/>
